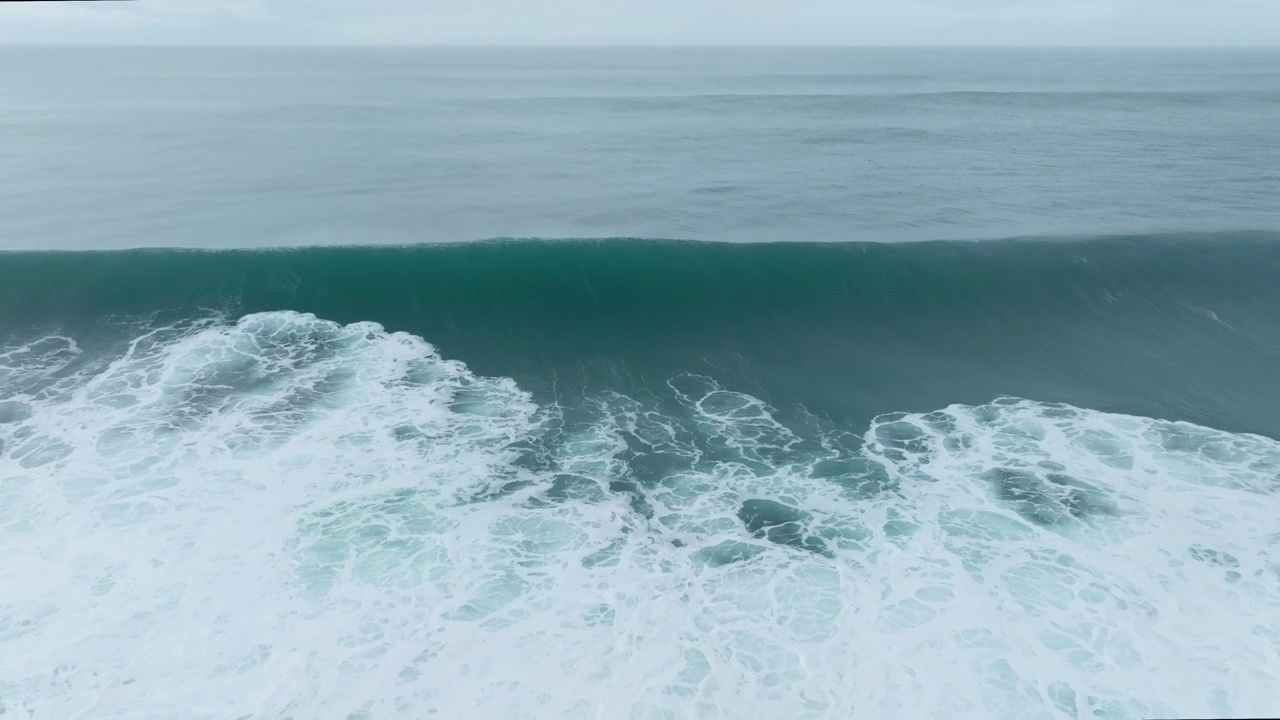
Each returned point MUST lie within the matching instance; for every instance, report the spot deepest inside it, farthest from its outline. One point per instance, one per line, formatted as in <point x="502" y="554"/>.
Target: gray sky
<point x="747" y="22"/>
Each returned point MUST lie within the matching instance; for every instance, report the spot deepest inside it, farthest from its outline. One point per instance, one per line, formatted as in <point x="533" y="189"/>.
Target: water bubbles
<point x="288" y="516"/>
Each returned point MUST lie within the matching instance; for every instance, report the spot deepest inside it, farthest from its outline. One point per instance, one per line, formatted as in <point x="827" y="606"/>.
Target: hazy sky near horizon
<point x="679" y="22"/>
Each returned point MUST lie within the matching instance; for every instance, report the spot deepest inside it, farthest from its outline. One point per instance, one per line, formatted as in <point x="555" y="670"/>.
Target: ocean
<point x="639" y="383"/>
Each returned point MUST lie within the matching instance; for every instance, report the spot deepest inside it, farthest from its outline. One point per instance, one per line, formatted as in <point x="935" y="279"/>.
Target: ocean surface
<point x="639" y="383"/>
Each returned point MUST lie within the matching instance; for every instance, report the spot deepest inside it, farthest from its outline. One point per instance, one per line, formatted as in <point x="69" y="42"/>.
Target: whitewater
<point x="283" y="516"/>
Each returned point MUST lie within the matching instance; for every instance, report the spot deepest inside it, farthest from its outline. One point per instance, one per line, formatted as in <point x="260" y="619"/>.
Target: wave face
<point x="671" y="480"/>
<point x="1180" y="327"/>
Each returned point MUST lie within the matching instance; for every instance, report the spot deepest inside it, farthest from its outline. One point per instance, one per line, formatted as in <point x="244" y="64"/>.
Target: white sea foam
<point x="286" y="517"/>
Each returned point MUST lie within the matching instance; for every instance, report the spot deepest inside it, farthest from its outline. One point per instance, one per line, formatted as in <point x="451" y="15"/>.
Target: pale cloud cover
<point x="715" y="22"/>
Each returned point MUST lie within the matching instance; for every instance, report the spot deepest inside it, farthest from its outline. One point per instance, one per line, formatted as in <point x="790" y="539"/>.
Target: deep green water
<point x="1175" y="327"/>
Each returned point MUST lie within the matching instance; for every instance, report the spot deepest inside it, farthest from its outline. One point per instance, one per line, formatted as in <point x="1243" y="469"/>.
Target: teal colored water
<point x="1177" y="327"/>
<point x="798" y="383"/>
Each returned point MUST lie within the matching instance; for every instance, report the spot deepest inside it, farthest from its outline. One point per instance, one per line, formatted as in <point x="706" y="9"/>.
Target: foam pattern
<point x="288" y="517"/>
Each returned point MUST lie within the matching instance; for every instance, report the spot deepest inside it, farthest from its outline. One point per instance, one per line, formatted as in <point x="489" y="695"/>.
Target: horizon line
<point x="640" y="46"/>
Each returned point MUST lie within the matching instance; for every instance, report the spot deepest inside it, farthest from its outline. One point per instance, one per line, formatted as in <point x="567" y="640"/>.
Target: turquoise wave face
<point x="1177" y="327"/>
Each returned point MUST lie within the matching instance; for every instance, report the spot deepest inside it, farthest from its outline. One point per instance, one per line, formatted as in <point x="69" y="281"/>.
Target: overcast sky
<point x="715" y="22"/>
